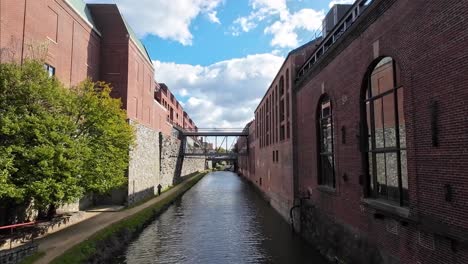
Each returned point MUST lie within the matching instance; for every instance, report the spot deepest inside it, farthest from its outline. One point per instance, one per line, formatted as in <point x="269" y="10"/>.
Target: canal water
<point x="220" y="220"/>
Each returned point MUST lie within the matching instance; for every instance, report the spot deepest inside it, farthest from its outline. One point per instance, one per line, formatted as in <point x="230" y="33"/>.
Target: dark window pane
<point x="382" y="77"/>
<point x="378" y="123"/>
<point x="325" y="131"/>
<point x="389" y="120"/>
<point x="381" y="176"/>
<point x="387" y="179"/>
<point x="327" y="170"/>
<point x="391" y="167"/>
<point x="369" y="126"/>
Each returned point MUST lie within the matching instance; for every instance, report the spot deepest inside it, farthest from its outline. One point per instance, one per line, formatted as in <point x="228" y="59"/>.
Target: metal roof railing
<point x="345" y="23"/>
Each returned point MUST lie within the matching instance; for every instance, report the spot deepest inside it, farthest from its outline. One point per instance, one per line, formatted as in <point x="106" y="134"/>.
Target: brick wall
<point x="269" y="164"/>
<point x="53" y="31"/>
<point x="426" y="42"/>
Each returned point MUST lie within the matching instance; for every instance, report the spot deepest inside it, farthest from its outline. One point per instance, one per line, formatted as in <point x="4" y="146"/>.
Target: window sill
<point x="327" y="189"/>
<point x="388" y="209"/>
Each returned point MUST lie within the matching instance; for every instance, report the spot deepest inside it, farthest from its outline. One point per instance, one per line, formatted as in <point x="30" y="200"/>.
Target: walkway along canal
<point x="220" y="220"/>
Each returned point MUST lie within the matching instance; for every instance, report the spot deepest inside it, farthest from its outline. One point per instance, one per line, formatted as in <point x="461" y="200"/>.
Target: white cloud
<point x="340" y="2"/>
<point x="285" y="28"/>
<point x="245" y="23"/>
<point x="260" y="10"/>
<point x="183" y="92"/>
<point x="284" y="31"/>
<point x="224" y="94"/>
<point x="167" y="19"/>
<point x="213" y="17"/>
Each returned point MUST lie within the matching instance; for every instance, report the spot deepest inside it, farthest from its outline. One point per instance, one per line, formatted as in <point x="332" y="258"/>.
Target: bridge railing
<point x="215" y="130"/>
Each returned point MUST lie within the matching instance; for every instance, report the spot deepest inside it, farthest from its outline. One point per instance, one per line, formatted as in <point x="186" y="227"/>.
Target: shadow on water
<point x="220" y="220"/>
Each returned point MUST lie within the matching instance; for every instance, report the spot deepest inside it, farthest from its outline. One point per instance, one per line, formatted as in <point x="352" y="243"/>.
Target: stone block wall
<point x="143" y="170"/>
<point x="16" y="255"/>
<point x="192" y="164"/>
<point x="173" y="164"/>
<point x="170" y="160"/>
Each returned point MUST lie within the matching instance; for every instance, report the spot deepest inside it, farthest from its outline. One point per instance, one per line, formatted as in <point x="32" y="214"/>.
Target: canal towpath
<point x="57" y="243"/>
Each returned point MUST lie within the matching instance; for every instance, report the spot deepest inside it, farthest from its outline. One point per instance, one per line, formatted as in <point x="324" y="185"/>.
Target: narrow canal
<point x="220" y="220"/>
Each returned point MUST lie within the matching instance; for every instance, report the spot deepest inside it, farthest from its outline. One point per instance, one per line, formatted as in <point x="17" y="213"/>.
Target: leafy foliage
<point x="58" y="143"/>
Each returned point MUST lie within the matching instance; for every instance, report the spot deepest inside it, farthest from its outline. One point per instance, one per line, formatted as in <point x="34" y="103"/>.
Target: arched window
<point x="386" y="131"/>
<point x="326" y="162"/>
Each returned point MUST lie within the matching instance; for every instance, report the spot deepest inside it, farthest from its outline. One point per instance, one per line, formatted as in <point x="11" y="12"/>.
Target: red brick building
<point x="175" y="112"/>
<point x="61" y="32"/>
<point x="270" y="136"/>
<point x="379" y="136"/>
<point x="78" y="41"/>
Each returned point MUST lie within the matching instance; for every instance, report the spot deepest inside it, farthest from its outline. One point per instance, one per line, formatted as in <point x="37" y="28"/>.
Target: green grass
<point x="82" y="252"/>
<point x="33" y="258"/>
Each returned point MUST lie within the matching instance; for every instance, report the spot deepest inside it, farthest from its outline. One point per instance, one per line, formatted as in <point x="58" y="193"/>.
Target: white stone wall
<point x="170" y="151"/>
<point x="143" y="170"/>
<point x="192" y="164"/>
<point x="173" y="165"/>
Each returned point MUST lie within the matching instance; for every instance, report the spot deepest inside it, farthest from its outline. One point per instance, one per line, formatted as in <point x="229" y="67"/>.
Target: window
<point x="281" y="86"/>
<point x="282" y="110"/>
<point x="326" y="162"/>
<point x="386" y="134"/>
<point x="282" y="132"/>
<point x="49" y="69"/>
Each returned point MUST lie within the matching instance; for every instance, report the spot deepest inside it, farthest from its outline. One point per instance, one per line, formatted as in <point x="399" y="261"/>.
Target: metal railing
<point x="341" y="27"/>
<point x="205" y="130"/>
<point x="14" y="227"/>
<point x="216" y="131"/>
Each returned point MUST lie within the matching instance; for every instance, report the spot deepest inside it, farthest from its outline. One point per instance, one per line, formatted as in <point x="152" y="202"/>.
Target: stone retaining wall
<point x="173" y="164"/>
<point x="171" y="161"/>
<point x="192" y="164"/>
<point x="16" y="255"/>
<point x="143" y="170"/>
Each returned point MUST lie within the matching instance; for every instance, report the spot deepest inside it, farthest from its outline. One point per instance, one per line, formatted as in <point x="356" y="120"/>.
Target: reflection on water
<point x="220" y="220"/>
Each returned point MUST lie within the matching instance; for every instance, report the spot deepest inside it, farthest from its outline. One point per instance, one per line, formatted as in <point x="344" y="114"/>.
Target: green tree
<point x="102" y="124"/>
<point x="58" y="143"/>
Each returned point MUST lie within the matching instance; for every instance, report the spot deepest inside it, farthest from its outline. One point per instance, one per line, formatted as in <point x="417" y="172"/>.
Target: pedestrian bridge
<point x="213" y="143"/>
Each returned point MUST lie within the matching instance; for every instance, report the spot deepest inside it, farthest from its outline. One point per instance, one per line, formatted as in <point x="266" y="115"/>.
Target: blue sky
<point x="220" y="56"/>
<point x="214" y="42"/>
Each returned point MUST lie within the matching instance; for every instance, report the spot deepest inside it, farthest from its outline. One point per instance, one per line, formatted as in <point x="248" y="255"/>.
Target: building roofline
<point x="131" y="34"/>
<point x="292" y="52"/>
<point x="136" y="40"/>
<point x="85" y="14"/>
